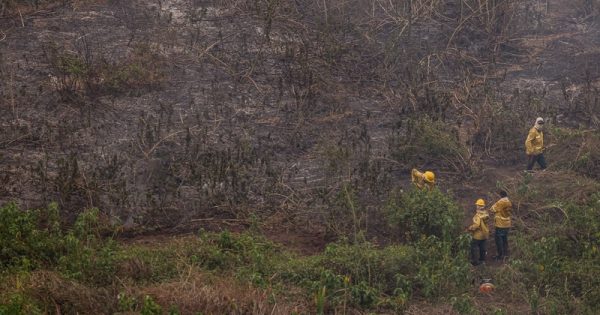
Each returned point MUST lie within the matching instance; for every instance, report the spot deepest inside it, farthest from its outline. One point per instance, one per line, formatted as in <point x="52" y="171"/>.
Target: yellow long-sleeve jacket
<point x="535" y="142"/>
<point x="479" y="229"/>
<point x="418" y="179"/>
<point x="502" y="211"/>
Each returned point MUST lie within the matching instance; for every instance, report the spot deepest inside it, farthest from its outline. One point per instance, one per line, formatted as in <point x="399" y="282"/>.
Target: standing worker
<point x="480" y="232"/>
<point x="423" y="180"/>
<point x="502" y="211"/>
<point x="534" y="145"/>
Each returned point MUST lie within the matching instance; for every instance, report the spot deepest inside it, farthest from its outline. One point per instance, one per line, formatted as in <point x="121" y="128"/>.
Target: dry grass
<point x="429" y="309"/>
<point x="197" y="292"/>
<point x="544" y="195"/>
<point x="538" y="190"/>
<point x="68" y="297"/>
<point x="191" y="293"/>
<point x="577" y="150"/>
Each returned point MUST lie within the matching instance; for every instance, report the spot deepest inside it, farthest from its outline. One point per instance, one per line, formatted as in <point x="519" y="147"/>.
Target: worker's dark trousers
<point x="501" y="238"/>
<point x="539" y="158"/>
<point x="475" y="246"/>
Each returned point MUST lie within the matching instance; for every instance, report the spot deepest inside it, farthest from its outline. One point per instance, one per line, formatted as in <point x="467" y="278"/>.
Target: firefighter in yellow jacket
<point x="502" y="211"/>
<point x="480" y="232"/>
<point x="423" y="180"/>
<point x="534" y="145"/>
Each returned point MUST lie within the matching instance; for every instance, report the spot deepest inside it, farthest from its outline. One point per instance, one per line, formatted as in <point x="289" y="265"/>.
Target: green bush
<point x="426" y="140"/>
<point x="462" y="304"/>
<point x="150" y="307"/>
<point x="126" y="303"/>
<point x="355" y="274"/>
<point x="87" y="256"/>
<point x="417" y="214"/>
<point x="32" y="239"/>
<point x="443" y="266"/>
<point x="252" y="256"/>
<point x="24" y="242"/>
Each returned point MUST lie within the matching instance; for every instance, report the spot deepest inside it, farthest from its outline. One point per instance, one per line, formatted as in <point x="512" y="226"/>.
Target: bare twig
<point x="5" y="144"/>
<point x="21" y="15"/>
<point x="12" y="95"/>
<point x="221" y="220"/>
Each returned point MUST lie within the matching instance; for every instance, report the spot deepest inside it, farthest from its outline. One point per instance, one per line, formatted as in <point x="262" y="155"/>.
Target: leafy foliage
<point x="389" y="276"/>
<point x="32" y="239"/>
<point x="23" y="243"/>
<point x="417" y="214"/>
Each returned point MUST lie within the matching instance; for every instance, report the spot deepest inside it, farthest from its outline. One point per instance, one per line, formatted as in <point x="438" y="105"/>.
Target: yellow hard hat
<point x="480" y="203"/>
<point x="429" y="176"/>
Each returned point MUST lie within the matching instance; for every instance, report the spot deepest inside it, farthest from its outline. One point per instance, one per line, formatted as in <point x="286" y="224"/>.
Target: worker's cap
<point x="539" y="121"/>
<point x="480" y="202"/>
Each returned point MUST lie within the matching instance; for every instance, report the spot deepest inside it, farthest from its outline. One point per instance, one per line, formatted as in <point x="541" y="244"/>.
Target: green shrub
<point x="443" y="267"/>
<point x="354" y="274"/>
<point x="425" y="140"/>
<point x="150" y="307"/>
<point x="32" y="239"/>
<point x="252" y="256"/>
<point x="24" y="242"/>
<point x="462" y="304"/>
<point x="125" y="302"/>
<point x="418" y="214"/>
<point x="85" y="255"/>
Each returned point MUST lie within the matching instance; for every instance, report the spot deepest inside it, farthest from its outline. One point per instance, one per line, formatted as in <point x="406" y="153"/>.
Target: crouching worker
<point x="502" y="211"/>
<point x="480" y="233"/>
<point x="423" y="180"/>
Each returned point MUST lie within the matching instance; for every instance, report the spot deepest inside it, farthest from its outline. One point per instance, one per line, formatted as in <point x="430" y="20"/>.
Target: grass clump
<point x="86" y="72"/>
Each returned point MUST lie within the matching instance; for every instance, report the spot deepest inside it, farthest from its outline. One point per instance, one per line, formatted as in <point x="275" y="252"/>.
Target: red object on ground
<point x="486" y="287"/>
